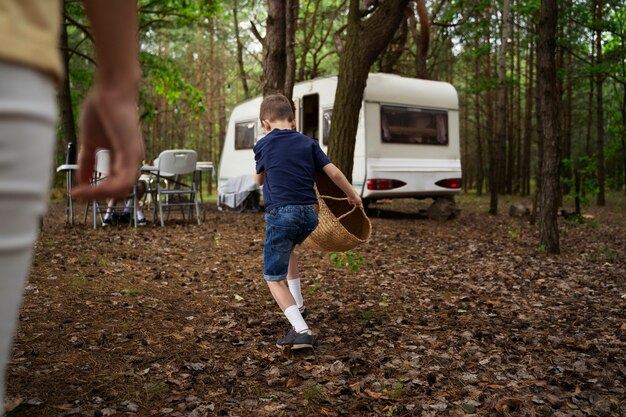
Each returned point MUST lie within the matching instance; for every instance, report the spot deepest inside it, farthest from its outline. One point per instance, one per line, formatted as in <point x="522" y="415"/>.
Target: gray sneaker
<point x="296" y="340"/>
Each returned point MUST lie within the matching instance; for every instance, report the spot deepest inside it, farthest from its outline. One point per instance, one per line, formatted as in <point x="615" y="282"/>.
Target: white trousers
<point x="27" y="135"/>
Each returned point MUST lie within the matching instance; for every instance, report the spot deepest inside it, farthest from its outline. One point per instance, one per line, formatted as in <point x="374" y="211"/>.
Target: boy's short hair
<point x="276" y="107"/>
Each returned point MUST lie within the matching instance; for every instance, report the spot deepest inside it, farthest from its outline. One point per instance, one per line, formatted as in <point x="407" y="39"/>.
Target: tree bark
<point x="548" y="113"/>
<point x="503" y="116"/>
<point x="600" y="108"/>
<point x="242" y="71"/>
<point x="365" y="40"/>
<point x="278" y="48"/>
<point x="274" y="49"/>
<point x="68" y="123"/>
<point x="423" y="41"/>
<point x="291" y="16"/>
<point x="528" y="134"/>
<point x="491" y="138"/>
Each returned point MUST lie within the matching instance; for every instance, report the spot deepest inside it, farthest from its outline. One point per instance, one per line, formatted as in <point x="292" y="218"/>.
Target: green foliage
<point x="314" y="394"/>
<point x="352" y="261"/>
<point x="587" y="169"/>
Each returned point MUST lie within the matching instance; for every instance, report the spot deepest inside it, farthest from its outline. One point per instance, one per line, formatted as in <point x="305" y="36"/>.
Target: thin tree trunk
<point x="567" y="120"/>
<point x="68" y="123"/>
<point x="600" y="109"/>
<point x="528" y="133"/>
<point x="480" y="169"/>
<point x="240" y="66"/>
<point x="503" y="118"/>
<point x="491" y="141"/>
<point x="548" y="113"/>
<point x="423" y="40"/>
<point x="212" y="86"/>
<point x="518" y="116"/>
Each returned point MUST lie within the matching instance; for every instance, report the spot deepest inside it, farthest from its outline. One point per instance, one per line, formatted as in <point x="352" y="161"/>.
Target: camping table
<point x="148" y="169"/>
<point x="69" y="201"/>
<point x="201" y="167"/>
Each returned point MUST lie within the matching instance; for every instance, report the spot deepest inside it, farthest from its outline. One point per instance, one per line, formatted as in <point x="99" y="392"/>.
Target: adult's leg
<point x="27" y="129"/>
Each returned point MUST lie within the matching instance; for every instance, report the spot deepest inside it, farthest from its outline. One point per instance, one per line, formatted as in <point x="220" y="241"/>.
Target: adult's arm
<point x="109" y="116"/>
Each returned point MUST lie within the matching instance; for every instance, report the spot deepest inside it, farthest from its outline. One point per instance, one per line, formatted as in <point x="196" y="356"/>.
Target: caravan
<point x="407" y="142"/>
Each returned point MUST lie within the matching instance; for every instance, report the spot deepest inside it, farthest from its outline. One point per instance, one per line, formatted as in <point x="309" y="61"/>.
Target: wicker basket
<point x="341" y="226"/>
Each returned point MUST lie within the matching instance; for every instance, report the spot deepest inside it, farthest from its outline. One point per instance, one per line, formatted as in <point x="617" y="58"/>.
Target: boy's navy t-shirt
<point x="289" y="160"/>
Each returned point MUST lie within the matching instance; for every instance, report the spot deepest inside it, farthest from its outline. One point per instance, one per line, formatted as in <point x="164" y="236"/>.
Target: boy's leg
<point x="287" y="304"/>
<point x="293" y="281"/>
<point x="280" y="235"/>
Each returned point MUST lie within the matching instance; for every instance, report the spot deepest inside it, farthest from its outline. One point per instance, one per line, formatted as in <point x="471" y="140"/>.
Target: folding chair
<point x="178" y="166"/>
<point x="101" y="172"/>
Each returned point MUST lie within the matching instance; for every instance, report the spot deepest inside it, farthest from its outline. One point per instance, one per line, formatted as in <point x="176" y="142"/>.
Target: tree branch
<point x="256" y="33"/>
<point x="80" y="26"/>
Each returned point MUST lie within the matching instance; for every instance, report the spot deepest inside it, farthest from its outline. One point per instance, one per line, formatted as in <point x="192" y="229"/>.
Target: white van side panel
<point x="236" y="162"/>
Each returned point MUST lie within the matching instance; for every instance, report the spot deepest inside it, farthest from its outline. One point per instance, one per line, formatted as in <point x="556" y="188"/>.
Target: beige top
<point x="29" y="34"/>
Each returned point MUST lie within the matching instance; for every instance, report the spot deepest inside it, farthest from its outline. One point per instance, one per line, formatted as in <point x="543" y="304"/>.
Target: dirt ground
<point x="454" y="318"/>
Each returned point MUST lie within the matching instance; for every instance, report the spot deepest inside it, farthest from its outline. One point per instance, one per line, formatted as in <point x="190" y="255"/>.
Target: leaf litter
<point x="443" y="318"/>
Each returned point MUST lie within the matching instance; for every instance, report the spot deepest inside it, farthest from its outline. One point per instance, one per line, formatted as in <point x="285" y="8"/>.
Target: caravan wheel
<point x="443" y="208"/>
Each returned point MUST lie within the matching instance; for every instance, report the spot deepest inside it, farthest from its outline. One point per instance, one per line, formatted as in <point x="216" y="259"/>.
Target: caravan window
<point x="326" y="115"/>
<point x="401" y="124"/>
<point x="244" y="135"/>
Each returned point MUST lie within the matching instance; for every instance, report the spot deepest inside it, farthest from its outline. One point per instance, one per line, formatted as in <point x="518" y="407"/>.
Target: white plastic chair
<point x="179" y="164"/>
<point x="101" y="172"/>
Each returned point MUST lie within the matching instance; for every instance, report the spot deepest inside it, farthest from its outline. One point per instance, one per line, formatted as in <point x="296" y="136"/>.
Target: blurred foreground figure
<point x="30" y="68"/>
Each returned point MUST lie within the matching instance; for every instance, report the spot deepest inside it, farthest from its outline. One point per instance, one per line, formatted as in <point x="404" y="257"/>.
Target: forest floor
<point x="455" y="318"/>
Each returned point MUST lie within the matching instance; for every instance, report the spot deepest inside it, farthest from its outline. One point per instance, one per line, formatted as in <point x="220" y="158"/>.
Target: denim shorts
<point x="286" y="226"/>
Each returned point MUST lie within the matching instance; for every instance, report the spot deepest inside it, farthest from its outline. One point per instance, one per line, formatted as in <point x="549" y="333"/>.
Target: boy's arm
<point x="259" y="178"/>
<point x="342" y="182"/>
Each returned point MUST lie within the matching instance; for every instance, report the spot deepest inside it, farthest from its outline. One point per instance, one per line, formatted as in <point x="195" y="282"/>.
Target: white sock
<point x="127" y="206"/>
<point x="140" y="215"/>
<point x="295" y="318"/>
<point x="296" y="291"/>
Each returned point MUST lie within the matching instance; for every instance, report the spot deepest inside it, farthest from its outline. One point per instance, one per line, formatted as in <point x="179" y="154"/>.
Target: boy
<point x="286" y="162"/>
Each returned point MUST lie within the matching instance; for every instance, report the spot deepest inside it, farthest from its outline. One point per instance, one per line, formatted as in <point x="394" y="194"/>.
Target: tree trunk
<point x="365" y="40"/>
<point x="624" y="132"/>
<point x="480" y="170"/>
<point x="274" y="49"/>
<point x="600" y="108"/>
<point x="491" y="138"/>
<point x="242" y="71"/>
<point x="528" y="123"/>
<point x="68" y="124"/>
<point x="278" y="48"/>
<point x="291" y="16"/>
<point x="548" y="113"/>
<point x="503" y="115"/>
<point x="567" y="119"/>
<point x="423" y="41"/>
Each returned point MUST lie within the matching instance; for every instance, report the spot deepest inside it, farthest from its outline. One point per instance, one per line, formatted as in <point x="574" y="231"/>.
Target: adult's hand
<point x="109" y="121"/>
<point x="109" y="113"/>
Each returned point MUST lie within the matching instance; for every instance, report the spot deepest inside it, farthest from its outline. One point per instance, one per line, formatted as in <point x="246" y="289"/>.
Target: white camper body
<point x="407" y="142"/>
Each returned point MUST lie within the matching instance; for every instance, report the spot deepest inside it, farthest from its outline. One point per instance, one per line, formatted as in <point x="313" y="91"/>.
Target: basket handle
<point x="342" y="198"/>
